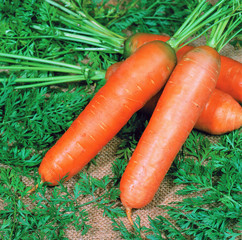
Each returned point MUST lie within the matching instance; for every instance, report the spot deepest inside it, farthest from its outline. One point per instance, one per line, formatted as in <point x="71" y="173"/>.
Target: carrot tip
<point x="34" y="188"/>
<point x="128" y="213"/>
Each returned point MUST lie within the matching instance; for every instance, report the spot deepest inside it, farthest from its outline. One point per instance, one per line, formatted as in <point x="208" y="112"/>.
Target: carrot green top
<point x="85" y="29"/>
<point x="225" y="28"/>
<point x="203" y="16"/>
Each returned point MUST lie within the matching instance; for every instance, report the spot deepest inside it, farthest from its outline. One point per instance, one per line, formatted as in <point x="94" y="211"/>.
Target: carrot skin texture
<point x="127" y="91"/>
<point x="135" y="41"/>
<point x="111" y="69"/>
<point x="221" y="114"/>
<point x="184" y="97"/>
<point x="230" y="77"/>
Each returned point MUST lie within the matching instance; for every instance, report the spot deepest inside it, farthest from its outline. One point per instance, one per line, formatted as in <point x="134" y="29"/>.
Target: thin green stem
<point x="198" y="8"/>
<point x="196" y="21"/>
<point x="81" y="49"/>
<point x="203" y="32"/>
<point x="91" y="36"/>
<point x="82" y="38"/>
<point x="38" y="65"/>
<point x="80" y="15"/>
<point x="53" y="3"/>
<point x="89" y="30"/>
<point x="220" y="46"/>
<point x="34" y="59"/>
<point x="21" y="68"/>
<point x="55" y="79"/>
<point x="224" y="32"/>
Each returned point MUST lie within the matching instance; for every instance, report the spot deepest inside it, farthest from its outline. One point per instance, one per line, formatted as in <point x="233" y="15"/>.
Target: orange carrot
<point x="182" y="101"/>
<point x="221" y="114"/>
<point x="138" y="78"/>
<point x="230" y="77"/>
<point x="111" y="69"/>
<point x="135" y="41"/>
<point x="128" y="90"/>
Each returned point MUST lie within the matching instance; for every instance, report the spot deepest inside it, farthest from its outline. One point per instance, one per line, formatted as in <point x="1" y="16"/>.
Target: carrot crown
<point x="202" y="16"/>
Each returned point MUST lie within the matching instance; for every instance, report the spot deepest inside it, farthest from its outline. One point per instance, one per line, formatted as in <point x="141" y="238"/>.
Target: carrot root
<point x="34" y="188"/>
<point x="128" y="213"/>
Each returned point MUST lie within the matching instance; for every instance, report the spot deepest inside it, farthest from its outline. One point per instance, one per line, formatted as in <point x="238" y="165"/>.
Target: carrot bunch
<point x="221" y="114"/>
<point x="137" y="79"/>
<point x="187" y="97"/>
<point x="230" y="76"/>
<point x="188" y="85"/>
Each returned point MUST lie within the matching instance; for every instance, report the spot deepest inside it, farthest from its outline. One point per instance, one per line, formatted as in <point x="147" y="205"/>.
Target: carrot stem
<point x="196" y="21"/>
<point x="40" y="60"/>
<point x="225" y="30"/>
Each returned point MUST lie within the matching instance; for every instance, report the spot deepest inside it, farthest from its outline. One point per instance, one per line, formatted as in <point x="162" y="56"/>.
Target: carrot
<point x="138" y="78"/>
<point x="127" y="91"/>
<point x="184" y="97"/>
<point x="132" y="43"/>
<point x="175" y="115"/>
<point x="230" y="77"/>
<point x="221" y="114"/>
<point x="111" y="69"/>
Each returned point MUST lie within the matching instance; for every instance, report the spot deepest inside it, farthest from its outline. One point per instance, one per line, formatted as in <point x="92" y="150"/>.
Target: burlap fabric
<point x="102" y="226"/>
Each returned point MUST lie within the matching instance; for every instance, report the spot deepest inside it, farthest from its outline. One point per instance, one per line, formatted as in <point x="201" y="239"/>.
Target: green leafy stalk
<point x="100" y="36"/>
<point x="52" y="81"/>
<point x="225" y="29"/>
<point x="85" y="22"/>
<point x="81" y="15"/>
<point x="110" y="45"/>
<point x="84" y="73"/>
<point x="40" y="60"/>
<point x="200" y="17"/>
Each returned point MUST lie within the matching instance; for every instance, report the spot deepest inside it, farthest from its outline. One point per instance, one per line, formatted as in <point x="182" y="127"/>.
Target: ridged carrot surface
<point x="179" y="107"/>
<point x="135" y="81"/>
<point x="230" y="77"/>
<point x="221" y="114"/>
<point x="135" y="41"/>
